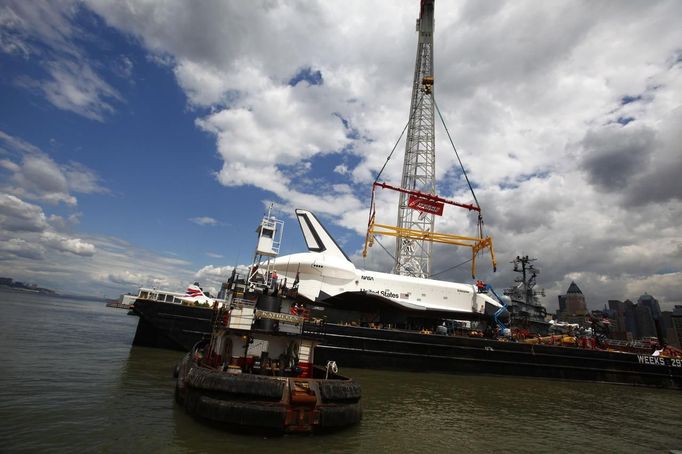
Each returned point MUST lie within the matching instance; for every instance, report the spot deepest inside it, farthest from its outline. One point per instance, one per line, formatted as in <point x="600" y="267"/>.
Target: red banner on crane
<point x="425" y="205"/>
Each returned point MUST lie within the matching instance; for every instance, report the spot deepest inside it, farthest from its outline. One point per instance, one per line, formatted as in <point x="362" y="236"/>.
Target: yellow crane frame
<point x="477" y="244"/>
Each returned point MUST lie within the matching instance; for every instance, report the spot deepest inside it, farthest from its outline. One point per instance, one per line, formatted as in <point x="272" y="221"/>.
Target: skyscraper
<point x="651" y="303"/>
<point x="575" y="300"/>
<point x="646" y="327"/>
<point x="668" y="325"/>
<point x="677" y="323"/>
<point x="630" y="319"/>
<point x="619" y="329"/>
<point x="575" y="307"/>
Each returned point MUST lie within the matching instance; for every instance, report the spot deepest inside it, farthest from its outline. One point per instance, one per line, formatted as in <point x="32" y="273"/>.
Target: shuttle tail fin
<point x="194" y="291"/>
<point x="317" y="238"/>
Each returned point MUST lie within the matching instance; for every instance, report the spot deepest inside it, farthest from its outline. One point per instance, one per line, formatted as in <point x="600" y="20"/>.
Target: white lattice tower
<point x="413" y="257"/>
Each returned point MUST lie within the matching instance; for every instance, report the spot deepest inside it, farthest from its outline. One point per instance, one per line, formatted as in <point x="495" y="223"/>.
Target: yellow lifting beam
<point x="476" y="244"/>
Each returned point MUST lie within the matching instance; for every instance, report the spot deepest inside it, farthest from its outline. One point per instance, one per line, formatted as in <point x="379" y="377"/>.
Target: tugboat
<point x="257" y="368"/>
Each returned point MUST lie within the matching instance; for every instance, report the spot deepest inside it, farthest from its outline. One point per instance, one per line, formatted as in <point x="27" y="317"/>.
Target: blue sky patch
<point x="308" y="75"/>
<point x="630" y="99"/>
<point x="351" y="132"/>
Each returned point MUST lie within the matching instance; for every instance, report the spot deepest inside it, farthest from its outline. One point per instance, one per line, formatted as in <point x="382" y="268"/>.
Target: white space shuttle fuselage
<point x="326" y="271"/>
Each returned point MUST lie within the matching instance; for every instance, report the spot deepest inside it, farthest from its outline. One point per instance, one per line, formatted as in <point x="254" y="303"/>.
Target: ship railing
<point x="239" y="314"/>
<point x="629" y="344"/>
<point x="243" y="303"/>
<point x="315" y="326"/>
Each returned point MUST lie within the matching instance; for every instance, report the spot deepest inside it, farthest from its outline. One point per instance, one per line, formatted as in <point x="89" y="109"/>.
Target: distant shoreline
<point x="43" y="291"/>
<point x="8" y="289"/>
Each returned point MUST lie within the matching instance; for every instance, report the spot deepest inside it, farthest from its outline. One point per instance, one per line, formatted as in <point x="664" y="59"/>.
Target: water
<point x="71" y="382"/>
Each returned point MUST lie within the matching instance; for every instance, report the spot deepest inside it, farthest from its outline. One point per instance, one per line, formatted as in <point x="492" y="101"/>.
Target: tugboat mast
<point x="269" y="232"/>
<point x="413" y="256"/>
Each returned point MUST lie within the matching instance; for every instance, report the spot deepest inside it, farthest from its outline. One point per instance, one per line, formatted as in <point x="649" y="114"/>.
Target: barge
<point x="421" y="351"/>
<point x="368" y="329"/>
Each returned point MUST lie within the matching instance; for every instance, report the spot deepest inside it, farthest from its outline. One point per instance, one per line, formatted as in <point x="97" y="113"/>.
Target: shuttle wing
<point x="370" y="302"/>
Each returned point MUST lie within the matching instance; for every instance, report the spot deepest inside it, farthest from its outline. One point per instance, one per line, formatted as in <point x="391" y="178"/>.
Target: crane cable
<point x="440" y="115"/>
<point x="464" y="172"/>
<point x="451" y="268"/>
<point x="459" y="160"/>
<point x="390" y="155"/>
<point x="383" y="247"/>
<point x="456" y="153"/>
<point x="432" y="275"/>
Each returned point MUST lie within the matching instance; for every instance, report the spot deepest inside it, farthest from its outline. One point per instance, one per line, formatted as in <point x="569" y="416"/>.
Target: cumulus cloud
<point x="258" y="137"/>
<point x="123" y="67"/>
<point x="127" y="278"/>
<point x="268" y="118"/>
<point x="18" y="247"/>
<point x="35" y="175"/>
<point x="614" y="154"/>
<point x="19" y="216"/>
<point x="40" y="177"/>
<point x="46" y="30"/>
<point x="12" y="40"/>
<point x="29" y="234"/>
<point x="82" y="179"/>
<point x="77" y="88"/>
<point x="117" y="266"/>
<point x="64" y="244"/>
<point x="638" y="160"/>
<point x="18" y="144"/>
<point x="204" y="220"/>
<point x="212" y="276"/>
<point x="25" y="228"/>
<point x="214" y="272"/>
<point x="659" y="182"/>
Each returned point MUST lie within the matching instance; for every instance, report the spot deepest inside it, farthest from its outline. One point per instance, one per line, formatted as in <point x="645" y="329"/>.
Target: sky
<point x="141" y="142"/>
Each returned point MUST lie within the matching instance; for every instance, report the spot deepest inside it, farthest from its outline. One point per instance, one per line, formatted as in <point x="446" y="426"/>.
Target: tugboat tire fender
<point x="244" y="413"/>
<point x="341" y="415"/>
<point x="243" y="385"/>
<point x="179" y="374"/>
<point x="340" y="391"/>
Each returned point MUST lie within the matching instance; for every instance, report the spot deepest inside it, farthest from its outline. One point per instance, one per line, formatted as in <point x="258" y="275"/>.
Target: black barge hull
<point x="180" y="327"/>
<point x="170" y="326"/>
<point x="387" y="349"/>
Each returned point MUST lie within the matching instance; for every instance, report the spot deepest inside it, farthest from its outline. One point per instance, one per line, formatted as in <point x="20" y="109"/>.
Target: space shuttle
<point x="326" y="274"/>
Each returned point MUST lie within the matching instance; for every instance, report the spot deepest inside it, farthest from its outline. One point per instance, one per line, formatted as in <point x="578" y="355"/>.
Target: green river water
<point x="70" y="381"/>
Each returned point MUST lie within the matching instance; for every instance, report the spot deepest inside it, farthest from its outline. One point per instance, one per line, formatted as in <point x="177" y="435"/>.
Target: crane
<point x="413" y="256"/>
<point x="418" y="202"/>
